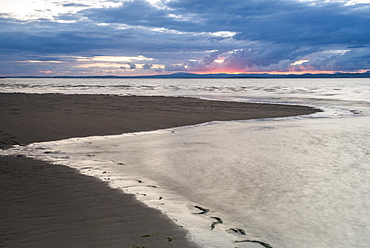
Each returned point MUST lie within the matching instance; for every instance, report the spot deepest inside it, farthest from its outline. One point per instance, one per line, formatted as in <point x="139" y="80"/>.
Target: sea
<point x="295" y="182"/>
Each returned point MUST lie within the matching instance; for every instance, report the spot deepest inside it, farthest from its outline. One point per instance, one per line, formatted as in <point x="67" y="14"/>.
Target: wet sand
<point x="47" y="205"/>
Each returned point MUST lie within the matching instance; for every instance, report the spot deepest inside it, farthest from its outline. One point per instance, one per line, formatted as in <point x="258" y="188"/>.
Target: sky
<point x="147" y="37"/>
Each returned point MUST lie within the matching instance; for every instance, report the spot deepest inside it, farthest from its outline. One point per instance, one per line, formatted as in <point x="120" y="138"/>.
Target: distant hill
<point x="225" y="75"/>
<point x="309" y="75"/>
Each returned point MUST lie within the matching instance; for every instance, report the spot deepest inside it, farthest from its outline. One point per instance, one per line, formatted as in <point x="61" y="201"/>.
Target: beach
<point x="46" y="205"/>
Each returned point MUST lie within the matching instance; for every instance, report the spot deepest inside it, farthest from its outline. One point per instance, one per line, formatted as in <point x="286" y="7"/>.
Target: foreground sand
<point x="45" y="205"/>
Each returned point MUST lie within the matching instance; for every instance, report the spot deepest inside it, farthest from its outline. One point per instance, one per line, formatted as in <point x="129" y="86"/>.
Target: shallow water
<point x="251" y="89"/>
<point x="290" y="182"/>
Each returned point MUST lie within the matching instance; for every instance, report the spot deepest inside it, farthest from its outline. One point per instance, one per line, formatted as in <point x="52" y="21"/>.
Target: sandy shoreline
<point x="45" y="205"/>
<point x="28" y="118"/>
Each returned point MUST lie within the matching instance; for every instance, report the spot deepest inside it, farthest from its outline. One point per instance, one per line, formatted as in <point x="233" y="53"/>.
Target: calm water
<point x="299" y="182"/>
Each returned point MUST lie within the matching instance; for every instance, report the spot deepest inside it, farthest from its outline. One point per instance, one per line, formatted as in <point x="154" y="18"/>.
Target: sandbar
<point x="46" y="205"/>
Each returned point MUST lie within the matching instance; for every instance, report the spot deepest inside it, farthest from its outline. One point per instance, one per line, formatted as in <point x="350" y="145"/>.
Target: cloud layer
<point x="187" y="35"/>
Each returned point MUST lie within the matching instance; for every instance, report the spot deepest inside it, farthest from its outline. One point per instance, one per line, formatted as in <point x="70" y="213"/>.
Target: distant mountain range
<point x="225" y="75"/>
<point x="265" y="75"/>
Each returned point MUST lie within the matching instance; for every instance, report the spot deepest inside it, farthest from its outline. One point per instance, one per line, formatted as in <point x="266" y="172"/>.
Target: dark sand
<point x="27" y="118"/>
<point x="45" y="205"/>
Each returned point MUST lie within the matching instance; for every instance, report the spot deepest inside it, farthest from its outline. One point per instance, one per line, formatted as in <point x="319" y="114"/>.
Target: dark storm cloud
<point x="147" y="66"/>
<point x="350" y="60"/>
<point x="132" y="66"/>
<point x="278" y="21"/>
<point x="269" y="35"/>
<point x="138" y="12"/>
<point x="201" y="65"/>
<point x="50" y="42"/>
<point x="74" y="5"/>
<point x="62" y="38"/>
<point x="172" y="67"/>
<point x="283" y="29"/>
<point x="283" y="21"/>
